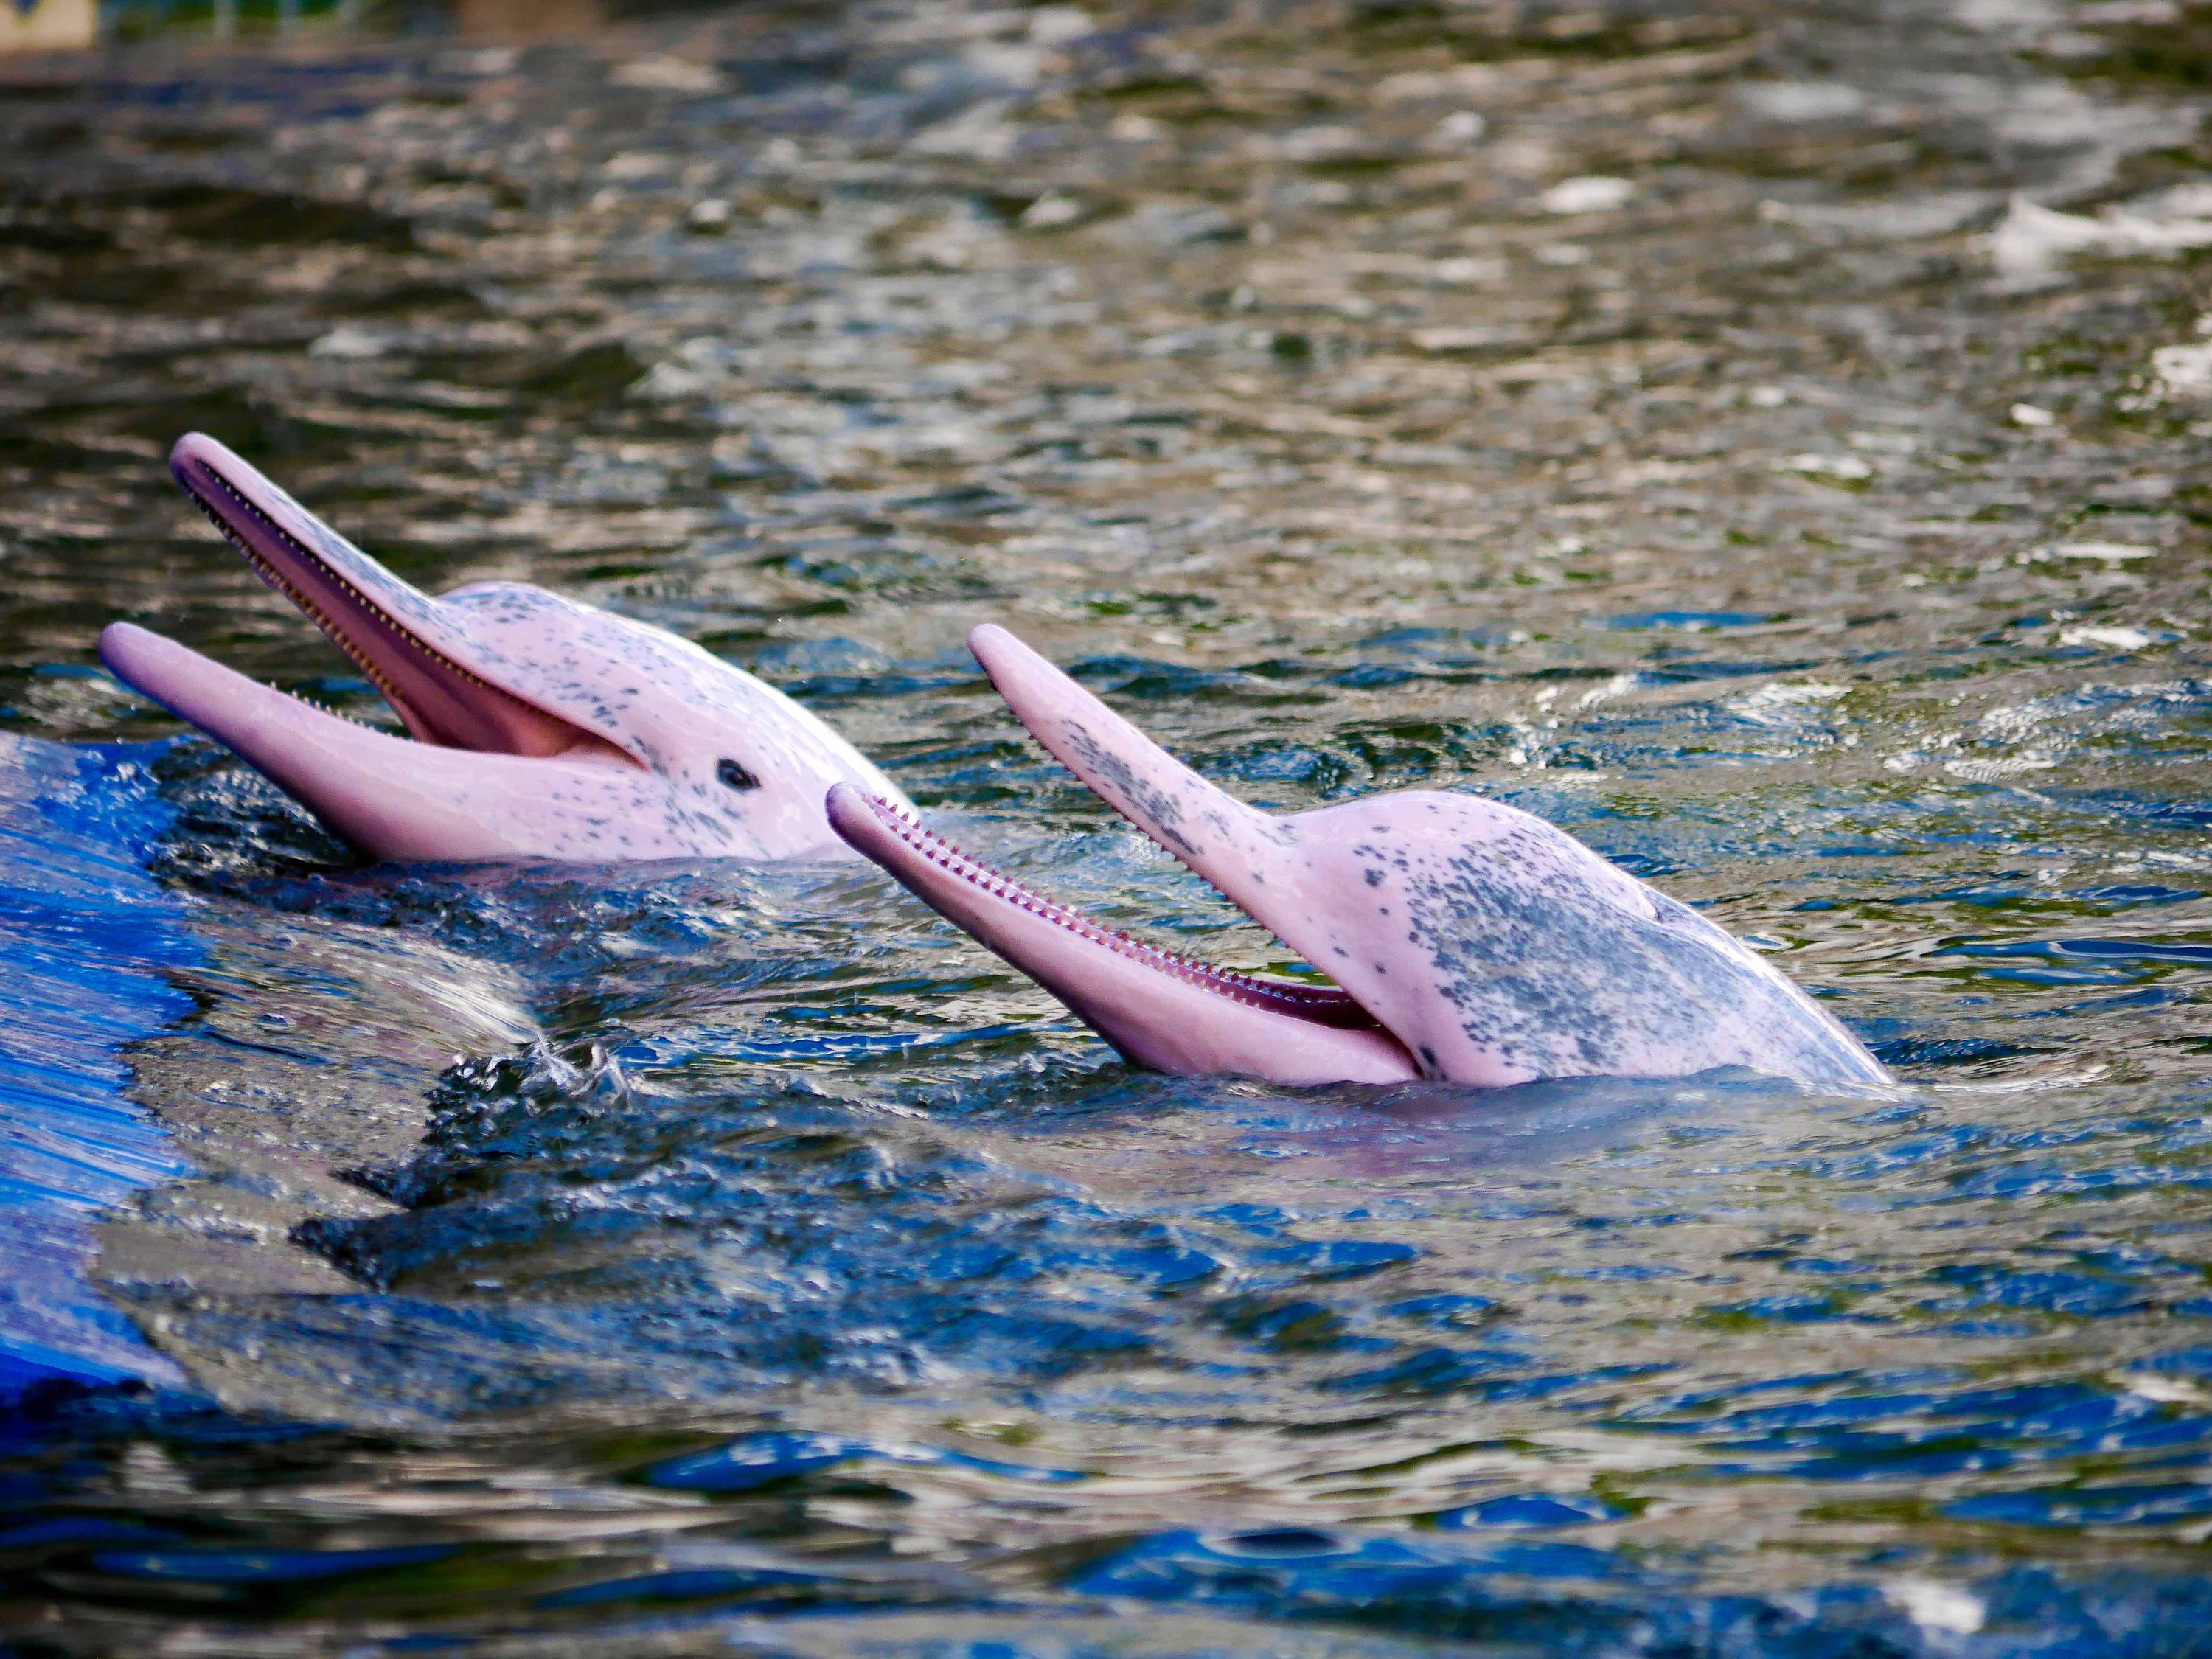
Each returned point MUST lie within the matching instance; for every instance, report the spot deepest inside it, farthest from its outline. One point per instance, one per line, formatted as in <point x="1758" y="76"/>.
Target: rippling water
<point x="1767" y="441"/>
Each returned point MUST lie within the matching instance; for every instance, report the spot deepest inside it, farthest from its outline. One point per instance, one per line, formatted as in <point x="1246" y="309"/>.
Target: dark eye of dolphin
<point x="736" y="776"/>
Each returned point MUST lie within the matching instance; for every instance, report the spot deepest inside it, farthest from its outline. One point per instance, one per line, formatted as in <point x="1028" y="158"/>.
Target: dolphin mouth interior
<point x="440" y="702"/>
<point x="1323" y="1005"/>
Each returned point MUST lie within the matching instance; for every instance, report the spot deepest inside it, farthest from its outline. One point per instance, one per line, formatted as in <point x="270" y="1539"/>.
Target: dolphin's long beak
<point x="1161" y="1010"/>
<point x="476" y="744"/>
<point x="391" y="798"/>
<point x="437" y="680"/>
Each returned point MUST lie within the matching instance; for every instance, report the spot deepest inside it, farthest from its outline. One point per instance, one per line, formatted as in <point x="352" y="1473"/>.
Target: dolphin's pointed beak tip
<point x="154" y="664"/>
<point x="859" y="819"/>
<point x="122" y="644"/>
<point x="195" y="461"/>
<point x="988" y="642"/>
<point x="852" y="813"/>
<point x="1000" y="650"/>
<point x="173" y="675"/>
<point x="193" y="451"/>
<point x="1029" y="681"/>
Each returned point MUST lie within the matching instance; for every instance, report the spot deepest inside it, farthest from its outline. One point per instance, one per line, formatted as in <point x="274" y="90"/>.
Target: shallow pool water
<point x="1769" y="441"/>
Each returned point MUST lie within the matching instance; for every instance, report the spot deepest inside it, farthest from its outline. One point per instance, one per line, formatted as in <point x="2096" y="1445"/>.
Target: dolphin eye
<point x="736" y="776"/>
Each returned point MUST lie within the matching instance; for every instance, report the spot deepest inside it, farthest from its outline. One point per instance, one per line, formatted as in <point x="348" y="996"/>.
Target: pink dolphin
<point x="1468" y="941"/>
<point x="542" y="728"/>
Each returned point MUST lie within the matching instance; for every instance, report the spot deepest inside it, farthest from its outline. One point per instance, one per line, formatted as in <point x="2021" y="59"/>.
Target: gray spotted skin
<point x="1162" y="808"/>
<point x="1503" y="949"/>
<point x="1486" y="945"/>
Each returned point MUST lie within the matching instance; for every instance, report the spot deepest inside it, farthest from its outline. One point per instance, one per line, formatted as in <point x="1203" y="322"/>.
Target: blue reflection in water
<point x="760" y="1459"/>
<point x="261" y="1566"/>
<point x="86" y="936"/>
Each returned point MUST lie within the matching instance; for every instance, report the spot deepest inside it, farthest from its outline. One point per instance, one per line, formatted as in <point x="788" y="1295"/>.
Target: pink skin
<point x="1473" y="942"/>
<point x="1163" y="1013"/>
<point x="542" y="728"/>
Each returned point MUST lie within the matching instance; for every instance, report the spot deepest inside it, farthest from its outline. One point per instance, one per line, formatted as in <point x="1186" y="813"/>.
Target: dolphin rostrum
<point x="1468" y="941"/>
<point x="542" y="728"/>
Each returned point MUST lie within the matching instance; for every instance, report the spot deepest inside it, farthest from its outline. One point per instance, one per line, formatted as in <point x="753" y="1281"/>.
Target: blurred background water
<point x="1769" y="439"/>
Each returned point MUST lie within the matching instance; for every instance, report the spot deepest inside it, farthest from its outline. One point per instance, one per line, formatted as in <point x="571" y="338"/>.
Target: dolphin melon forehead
<point x="670" y="697"/>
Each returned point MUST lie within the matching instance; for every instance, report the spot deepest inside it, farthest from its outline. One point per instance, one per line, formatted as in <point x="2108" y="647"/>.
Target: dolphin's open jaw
<point x="1316" y="1005"/>
<point x="1160" y="1009"/>
<point x="1164" y="1012"/>
<point x="440" y="701"/>
<point x="1467" y="941"/>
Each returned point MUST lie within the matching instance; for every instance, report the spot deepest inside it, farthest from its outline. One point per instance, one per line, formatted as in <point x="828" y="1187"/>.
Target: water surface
<point x="1692" y="426"/>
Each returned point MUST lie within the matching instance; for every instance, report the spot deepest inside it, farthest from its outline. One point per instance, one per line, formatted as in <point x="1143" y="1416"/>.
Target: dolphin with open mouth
<point x="541" y="728"/>
<point x="1468" y="941"/>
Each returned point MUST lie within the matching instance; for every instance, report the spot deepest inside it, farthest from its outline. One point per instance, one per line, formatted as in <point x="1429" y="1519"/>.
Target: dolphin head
<point x="540" y="727"/>
<point x="1468" y="940"/>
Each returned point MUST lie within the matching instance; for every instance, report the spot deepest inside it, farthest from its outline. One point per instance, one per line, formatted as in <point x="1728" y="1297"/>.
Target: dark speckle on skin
<point x="1161" y="812"/>
<point x="1551" y="965"/>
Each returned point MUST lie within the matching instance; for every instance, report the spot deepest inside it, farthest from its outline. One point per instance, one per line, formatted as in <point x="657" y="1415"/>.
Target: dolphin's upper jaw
<point x="441" y="701"/>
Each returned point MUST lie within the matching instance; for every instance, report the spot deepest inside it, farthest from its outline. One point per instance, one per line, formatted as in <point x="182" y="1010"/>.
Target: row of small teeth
<point x="1224" y="981"/>
<point x="335" y="714"/>
<point x="277" y="580"/>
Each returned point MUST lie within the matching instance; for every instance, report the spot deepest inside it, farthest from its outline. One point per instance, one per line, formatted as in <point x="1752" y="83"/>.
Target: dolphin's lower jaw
<point x="1470" y="941"/>
<point x="1163" y="1011"/>
<point x="386" y="796"/>
<point x="541" y="728"/>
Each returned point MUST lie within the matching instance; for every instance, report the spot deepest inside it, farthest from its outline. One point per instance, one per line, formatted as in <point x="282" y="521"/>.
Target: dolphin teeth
<point x="1324" y="1006"/>
<point x="324" y="709"/>
<point x="282" y="584"/>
